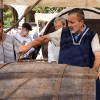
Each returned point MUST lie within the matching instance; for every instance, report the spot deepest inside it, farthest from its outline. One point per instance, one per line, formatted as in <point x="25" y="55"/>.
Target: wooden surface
<point x="43" y="81"/>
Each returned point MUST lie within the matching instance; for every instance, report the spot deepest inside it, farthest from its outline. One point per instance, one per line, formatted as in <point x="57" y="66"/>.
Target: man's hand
<point x="96" y="65"/>
<point x="54" y="62"/>
<point x="40" y="40"/>
<point x="23" y="49"/>
<point x="96" y="75"/>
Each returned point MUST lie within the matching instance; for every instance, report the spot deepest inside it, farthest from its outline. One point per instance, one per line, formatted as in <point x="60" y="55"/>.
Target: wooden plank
<point x="73" y="82"/>
<point x="1" y="10"/>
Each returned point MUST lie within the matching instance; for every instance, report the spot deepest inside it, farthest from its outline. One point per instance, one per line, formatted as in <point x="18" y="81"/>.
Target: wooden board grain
<point x="44" y="81"/>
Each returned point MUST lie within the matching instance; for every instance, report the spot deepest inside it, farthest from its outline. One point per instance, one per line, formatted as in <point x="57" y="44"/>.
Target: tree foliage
<point x="98" y="8"/>
<point x="7" y="18"/>
<point x="48" y="9"/>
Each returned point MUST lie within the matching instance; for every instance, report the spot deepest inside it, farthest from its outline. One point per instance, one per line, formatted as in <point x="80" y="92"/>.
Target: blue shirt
<point x="76" y="37"/>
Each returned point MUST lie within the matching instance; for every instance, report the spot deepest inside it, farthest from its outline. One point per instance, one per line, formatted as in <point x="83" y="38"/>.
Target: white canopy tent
<point x="43" y="17"/>
<point x="57" y="3"/>
<point x="50" y="3"/>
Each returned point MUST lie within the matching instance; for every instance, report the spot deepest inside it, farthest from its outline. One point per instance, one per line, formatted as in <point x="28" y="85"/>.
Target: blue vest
<point x="76" y="54"/>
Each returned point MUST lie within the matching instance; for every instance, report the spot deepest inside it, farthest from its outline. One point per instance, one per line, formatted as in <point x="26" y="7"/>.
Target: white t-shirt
<point x="53" y="52"/>
<point x="28" y="41"/>
<point x="1" y="55"/>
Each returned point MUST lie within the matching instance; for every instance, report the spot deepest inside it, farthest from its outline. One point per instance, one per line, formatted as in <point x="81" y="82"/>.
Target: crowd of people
<point x="77" y="45"/>
<point x="13" y="39"/>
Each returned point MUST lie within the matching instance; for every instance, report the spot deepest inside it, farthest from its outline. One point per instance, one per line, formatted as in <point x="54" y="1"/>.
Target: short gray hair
<point x="60" y="19"/>
<point x="79" y="13"/>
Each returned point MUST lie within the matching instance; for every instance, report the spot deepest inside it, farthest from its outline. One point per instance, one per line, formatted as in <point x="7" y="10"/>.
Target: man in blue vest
<point x="79" y="46"/>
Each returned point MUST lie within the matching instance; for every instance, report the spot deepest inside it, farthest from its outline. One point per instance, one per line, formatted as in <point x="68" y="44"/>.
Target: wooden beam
<point x="57" y="3"/>
<point x="1" y="10"/>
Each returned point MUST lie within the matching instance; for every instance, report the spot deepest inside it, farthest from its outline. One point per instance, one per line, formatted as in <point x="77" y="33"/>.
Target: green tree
<point x="7" y="18"/>
<point x="98" y="8"/>
<point x="48" y="9"/>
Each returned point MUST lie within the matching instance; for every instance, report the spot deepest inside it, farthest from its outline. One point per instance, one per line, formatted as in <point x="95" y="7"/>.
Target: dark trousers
<point x="98" y="89"/>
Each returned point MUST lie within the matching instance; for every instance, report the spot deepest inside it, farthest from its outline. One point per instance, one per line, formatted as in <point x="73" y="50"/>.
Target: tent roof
<point x="57" y="3"/>
<point x="44" y="16"/>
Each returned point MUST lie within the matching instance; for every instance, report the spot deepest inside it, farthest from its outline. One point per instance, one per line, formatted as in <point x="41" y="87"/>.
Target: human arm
<point x="43" y="39"/>
<point x="96" y="65"/>
<point x="54" y="37"/>
<point x="96" y="51"/>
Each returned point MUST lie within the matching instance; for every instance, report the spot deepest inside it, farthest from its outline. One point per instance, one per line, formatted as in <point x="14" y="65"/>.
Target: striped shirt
<point x="8" y="49"/>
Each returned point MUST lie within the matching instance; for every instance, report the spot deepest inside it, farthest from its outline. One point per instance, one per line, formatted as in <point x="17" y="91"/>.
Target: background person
<point x="8" y="47"/>
<point x="53" y="51"/>
<point x="23" y="36"/>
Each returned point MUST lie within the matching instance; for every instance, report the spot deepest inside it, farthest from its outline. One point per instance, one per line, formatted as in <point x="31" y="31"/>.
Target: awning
<point x="57" y="3"/>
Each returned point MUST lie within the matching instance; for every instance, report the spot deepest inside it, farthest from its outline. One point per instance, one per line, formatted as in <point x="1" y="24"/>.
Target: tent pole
<point x="1" y="10"/>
